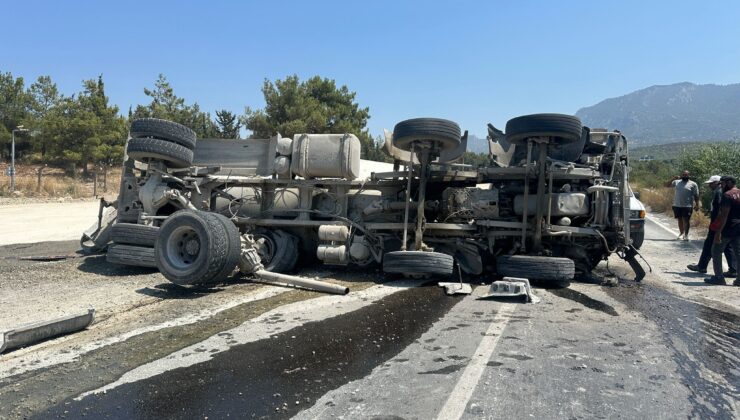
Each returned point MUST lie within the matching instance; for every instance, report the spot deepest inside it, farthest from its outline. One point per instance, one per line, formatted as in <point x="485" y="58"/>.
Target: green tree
<point x="712" y="159"/>
<point x="86" y="129"/>
<point x="45" y="98"/>
<point x="314" y="106"/>
<point x="166" y="105"/>
<point x="227" y="124"/>
<point x="15" y="104"/>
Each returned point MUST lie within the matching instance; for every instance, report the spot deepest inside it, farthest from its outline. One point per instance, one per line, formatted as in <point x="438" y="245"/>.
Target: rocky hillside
<point x="671" y="113"/>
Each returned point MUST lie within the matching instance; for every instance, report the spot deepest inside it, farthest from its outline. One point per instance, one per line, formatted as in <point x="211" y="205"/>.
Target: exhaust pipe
<point x="282" y="279"/>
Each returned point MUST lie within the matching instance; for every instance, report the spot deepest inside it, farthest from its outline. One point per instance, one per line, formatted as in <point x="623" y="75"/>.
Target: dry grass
<point x="55" y="183"/>
<point x="660" y="200"/>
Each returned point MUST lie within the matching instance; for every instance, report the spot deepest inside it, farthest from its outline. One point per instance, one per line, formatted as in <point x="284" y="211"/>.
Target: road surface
<point x="666" y="348"/>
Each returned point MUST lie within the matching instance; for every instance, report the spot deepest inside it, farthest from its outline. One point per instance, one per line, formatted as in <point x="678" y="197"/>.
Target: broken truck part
<point x="552" y="201"/>
<point x="40" y="331"/>
<point x="250" y="264"/>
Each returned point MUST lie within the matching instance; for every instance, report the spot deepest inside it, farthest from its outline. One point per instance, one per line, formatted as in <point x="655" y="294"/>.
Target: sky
<point x="473" y="62"/>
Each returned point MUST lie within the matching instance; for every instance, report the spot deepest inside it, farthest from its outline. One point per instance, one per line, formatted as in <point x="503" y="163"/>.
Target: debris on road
<point x="34" y="333"/>
<point x="511" y="287"/>
<point x="456" y="288"/>
<point x="249" y="263"/>
<point x="48" y="257"/>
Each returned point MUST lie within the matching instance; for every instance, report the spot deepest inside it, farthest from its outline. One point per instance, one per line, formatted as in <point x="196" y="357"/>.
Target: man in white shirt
<point x="686" y="194"/>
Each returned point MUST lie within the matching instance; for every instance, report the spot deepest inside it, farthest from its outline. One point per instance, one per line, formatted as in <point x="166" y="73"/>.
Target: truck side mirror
<point x="636" y="194"/>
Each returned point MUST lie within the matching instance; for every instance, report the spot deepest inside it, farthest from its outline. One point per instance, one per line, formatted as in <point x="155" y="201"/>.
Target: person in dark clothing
<point x="706" y="251"/>
<point x="727" y="228"/>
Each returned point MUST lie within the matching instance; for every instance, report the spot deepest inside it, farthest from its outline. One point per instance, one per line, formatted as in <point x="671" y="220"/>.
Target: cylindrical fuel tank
<point x="249" y="204"/>
<point x="332" y="254"/>
<point x="282" y="165"/>
<point x="326" y="156"/>
<point x="284" y="146"/>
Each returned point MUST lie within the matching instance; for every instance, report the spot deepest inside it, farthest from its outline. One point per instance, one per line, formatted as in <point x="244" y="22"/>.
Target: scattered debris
<point x="48" y="257"/>
<point x="458" y="287"/>
<point x="34" y="333"/>
<point x="249" y="263"/>
<point x="511" y="287"/>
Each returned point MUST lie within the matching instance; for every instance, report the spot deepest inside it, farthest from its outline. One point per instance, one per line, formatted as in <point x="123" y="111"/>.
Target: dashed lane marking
<point x="458" y="399"/>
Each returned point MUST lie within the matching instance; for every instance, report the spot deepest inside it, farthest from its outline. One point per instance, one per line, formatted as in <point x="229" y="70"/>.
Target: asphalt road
<point x="405" y="350"/>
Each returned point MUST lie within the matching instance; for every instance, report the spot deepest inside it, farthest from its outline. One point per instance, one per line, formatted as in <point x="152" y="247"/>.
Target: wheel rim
<point x="265" y="248"/>
<point x="183" y="247"/>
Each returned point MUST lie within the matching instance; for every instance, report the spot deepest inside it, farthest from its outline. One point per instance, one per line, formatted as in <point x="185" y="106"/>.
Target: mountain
<point x="477" y="144"/>
<point x="670" y="113"/>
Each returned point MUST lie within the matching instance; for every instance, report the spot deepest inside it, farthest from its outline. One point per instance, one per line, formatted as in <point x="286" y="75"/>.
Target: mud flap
<point x="629" y="256"/>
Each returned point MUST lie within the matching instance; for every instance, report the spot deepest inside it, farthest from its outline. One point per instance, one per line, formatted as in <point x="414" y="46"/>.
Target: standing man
<point x="727" y="228"/>
<point x="706" y="251"/>
<point x="685" y="201"/>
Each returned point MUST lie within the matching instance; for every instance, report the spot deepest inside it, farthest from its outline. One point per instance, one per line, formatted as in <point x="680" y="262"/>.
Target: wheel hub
<point x="192" y="247"/>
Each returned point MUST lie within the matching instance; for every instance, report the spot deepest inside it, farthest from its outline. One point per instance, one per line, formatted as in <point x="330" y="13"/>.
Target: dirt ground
<point x="41" y="221"/>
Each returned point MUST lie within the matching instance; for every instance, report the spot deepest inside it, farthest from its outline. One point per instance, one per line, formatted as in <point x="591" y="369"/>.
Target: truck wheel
<point x="418" y="263"/>
<point x="134" y="234"/>
<point x="234" y="246"/>
<point x="192" y="248"/>
<point x="444" y="132"/>
<point x="277" y="249"/>
<point x="163" y="130"/>
<point x="566" y="128"/>
<point x="138" y="256"/>
<point x="173" y="154"/>
<point x="637" y="239"/>
<point x="537" y="268"/>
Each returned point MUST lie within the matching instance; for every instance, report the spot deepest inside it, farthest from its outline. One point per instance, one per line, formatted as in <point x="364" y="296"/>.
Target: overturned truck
<point x="553" y="201"/>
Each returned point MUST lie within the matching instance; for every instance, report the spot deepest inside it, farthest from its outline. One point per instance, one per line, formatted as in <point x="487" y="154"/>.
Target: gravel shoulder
<point x="668" y="259"/>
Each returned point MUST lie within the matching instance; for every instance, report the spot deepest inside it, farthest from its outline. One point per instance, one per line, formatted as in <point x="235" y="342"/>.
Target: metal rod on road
<point x="320" y="286"/>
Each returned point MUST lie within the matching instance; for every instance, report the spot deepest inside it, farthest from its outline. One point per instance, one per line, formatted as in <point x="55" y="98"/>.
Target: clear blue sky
<point x="470" y="61"/>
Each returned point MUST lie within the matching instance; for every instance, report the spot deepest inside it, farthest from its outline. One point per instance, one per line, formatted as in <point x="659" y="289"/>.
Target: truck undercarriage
<point x="552" y="202"/>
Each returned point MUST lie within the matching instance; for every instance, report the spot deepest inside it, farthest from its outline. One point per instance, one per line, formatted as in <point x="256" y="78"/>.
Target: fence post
<point x="38" y="179"/>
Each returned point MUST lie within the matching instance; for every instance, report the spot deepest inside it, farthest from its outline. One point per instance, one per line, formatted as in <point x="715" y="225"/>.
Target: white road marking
<point x="669" y="230"/>
<point x="50" y="357"/>
<point x="275" y="321"/>
<point x="458" y="399"/>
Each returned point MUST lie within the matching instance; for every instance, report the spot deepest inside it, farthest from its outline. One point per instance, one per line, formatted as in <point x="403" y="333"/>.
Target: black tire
<point x="444" y="132"/>
<point x="564" y="128"/>
<point x="235" y="247"/>
<point x="418" y="263"/>
<point x="277" y="249"/>
<point x="536" y="268"/>
<point x="173" y="154"/>
<point x="163" y="130"/>
<point x="133" y="234"/>
<point x="192" y="248"/>
<point x="637" y="239"/>
<point x="138" y="256"/>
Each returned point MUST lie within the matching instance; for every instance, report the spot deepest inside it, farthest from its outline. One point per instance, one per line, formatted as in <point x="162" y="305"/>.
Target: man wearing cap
<point x="686" y="194"/>
<point x="727" y="228"/>
<point x="706" y="251"/>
